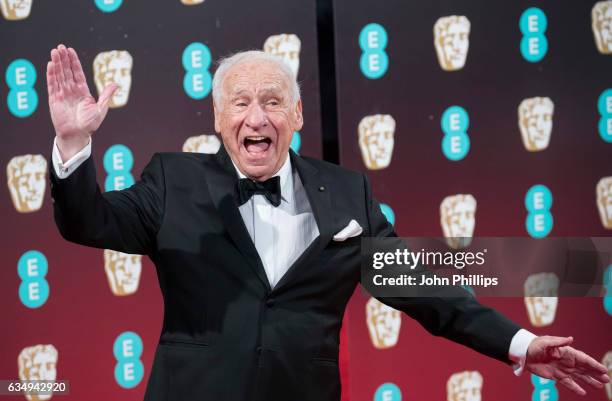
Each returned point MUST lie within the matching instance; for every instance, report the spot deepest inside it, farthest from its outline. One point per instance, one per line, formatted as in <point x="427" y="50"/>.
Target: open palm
<point x="74" y="111"/>
<point x="553" y="358"/>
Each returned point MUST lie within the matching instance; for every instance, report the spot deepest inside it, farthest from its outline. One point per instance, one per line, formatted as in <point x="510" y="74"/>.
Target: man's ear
<point x="217" y="119"/>
<point x="298" y="118"/>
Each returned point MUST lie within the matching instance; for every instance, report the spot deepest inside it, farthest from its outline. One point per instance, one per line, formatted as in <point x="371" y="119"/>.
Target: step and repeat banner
<point x="476" y="118"/>
<point x="91" y="316"/>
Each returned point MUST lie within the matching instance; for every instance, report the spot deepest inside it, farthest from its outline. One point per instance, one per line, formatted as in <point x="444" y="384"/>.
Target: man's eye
<point x="273" y="102"/>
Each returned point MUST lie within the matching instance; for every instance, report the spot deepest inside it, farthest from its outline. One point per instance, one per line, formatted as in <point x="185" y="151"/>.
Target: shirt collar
<point x="286" y="178"/>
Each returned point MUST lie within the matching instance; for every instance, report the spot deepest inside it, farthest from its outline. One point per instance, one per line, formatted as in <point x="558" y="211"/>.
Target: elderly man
<point x="253" y="262"/>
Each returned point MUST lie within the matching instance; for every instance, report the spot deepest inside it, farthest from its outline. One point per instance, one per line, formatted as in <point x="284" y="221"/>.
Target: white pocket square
<point x="352" y="229"/>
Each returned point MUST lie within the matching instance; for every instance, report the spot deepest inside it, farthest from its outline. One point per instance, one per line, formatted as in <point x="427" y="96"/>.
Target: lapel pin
<point x="321" y="188"/>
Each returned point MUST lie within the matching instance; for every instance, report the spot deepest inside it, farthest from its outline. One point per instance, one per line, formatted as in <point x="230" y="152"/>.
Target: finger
<point x="589" y="365"/>
<point x="51" y="82"/>
<point x="66" y="65"/>
<point x="589" y="380"/>
<point x="57" y="68"/>
<point x="572" y="385"/>
<point x="75" y="65"/>
<point x="105" y="98"/>
<point x="553" y="341"/>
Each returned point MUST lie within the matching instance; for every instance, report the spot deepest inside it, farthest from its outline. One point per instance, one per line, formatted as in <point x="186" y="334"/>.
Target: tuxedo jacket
<point x="226" y="334"/>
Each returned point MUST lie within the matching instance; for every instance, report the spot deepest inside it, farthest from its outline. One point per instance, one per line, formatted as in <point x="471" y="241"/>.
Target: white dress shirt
<point x="281" y="234"/>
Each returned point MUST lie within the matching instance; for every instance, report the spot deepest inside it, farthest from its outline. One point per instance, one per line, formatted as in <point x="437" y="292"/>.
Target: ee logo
<point x="388" y="392"/>
<point x="456" y="142"/>
<point x="20" y="77"/>
<point x="534" y="44"/>
<point x="544" y="389"/>
<point x="607" y="299"/>
<point x="296" y="142"/>
<point x="374" y="60"/>
<point x="538" y="202"/>
<point x="604" y="106"/>
<point x="388" y="213"/>
<point x="32" y="268"/>
<point x="129" y="369"/>
<point x="197" y="82"/>
<point x="108" y="6"/>
<point x="118" y="163"/>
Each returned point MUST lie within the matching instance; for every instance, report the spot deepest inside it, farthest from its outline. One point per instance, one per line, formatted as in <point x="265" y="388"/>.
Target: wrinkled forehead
<point x="256" y="77"/>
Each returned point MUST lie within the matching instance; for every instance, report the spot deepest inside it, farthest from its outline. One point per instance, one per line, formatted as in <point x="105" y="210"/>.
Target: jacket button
<point x="270" y="302"/>
<point x="259" y="350"/>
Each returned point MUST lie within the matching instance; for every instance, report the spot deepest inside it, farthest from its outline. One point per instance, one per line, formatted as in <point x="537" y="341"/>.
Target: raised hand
<point x="74" y="112"/>
<point x="553" y="358"/>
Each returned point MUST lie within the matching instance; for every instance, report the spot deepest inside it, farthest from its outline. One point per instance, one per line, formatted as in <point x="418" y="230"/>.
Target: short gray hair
<point x="226" y="63"/>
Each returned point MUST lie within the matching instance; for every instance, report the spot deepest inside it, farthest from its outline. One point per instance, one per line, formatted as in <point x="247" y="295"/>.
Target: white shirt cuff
<point x="64" y="169"/>
<point x="518" y="349"/>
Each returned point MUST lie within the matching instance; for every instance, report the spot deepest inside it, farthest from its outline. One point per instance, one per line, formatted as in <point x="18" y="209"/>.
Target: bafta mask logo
<point x="376" y="140"/>
<point x="384" y="324"/>
<point x="14" y="10"/>
<point x="535" y="122"/>
<point x="122" y="271"/>
<point x="202" y="144"/>
<point x="607" y="362"/>
<point x="541" y="300"/>
<point x="26" y="181"/>
<point x="604" y="201"/>
<point x="601" y="21"/>
<point x="38" y="362"/>
<point x="192" y="2"/>
<point x="114" y="66"/>
<point x="286" y="46"/>
<point x="452" y="41"/>
<point x="464" y="386"/>
<point x="458" y="219"/>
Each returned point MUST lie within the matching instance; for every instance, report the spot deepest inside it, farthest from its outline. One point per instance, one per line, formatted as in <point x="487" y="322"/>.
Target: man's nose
<point x="256" y="117"/>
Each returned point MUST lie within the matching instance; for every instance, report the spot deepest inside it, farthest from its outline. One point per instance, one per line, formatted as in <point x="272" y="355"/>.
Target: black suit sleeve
<point x="125" y="220"/>
<point x="460" y="318"/>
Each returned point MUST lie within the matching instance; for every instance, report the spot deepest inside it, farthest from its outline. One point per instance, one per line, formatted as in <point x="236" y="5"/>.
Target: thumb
<point x="552" y="344"/>
<point x="105" y="97"/>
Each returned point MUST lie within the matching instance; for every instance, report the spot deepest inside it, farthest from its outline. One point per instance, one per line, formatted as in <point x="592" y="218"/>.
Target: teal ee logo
<point x="604" y="106"/>
<point x="196" y="59"/>
<point x="129" y="369"/>
<point x="538" y="202"/>
<point x="388" y="213"/>
<point x="543" y="389"/>
<point x="374" y="61"/>
<point x="20" y="77"/>
<point x="32" y="268"/>
<point x="607" y="299"/>
<point x="388" y="392"/>
<point x="456" y="142"/>
<point x="296" y="142"/>
<point x="108" y="6"/>
<point x="534" y="44"/>
<point x="118" y="163"/>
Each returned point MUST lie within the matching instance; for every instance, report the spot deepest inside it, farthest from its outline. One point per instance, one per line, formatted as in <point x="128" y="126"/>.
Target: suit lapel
<point x="317" y="189"/>
<point x="222" y="189"/>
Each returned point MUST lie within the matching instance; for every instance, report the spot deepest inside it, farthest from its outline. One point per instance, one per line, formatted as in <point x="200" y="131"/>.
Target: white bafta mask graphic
<point x="458" y="219"/>
<point x="601" y="21"/>
<point x="122" y="271"/>
<point x="202" y="144"/>
<point x="604" y="201"/>
<point x="14" y="10"/>
<point x="38" y="362"/>
<point x="535" y="122"/>
<point x="384" y="324"/>
<point x="452" y="41"/>
<point x="286" y="46"/>
<point x="541" y="290"/>
<point x="114" y="66"/>
<point x="26" y="181"/>
<point x="607" y="362"/>
<point x="376" y="140"/>
<point x="464" y="386"/>
<point x="192" y="2"/>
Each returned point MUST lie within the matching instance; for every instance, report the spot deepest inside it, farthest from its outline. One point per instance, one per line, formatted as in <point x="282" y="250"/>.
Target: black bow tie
<point x="269" y="188"/>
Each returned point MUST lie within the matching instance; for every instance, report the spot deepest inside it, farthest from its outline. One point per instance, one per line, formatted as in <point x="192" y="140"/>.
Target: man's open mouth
<point x="257" y="144"/>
